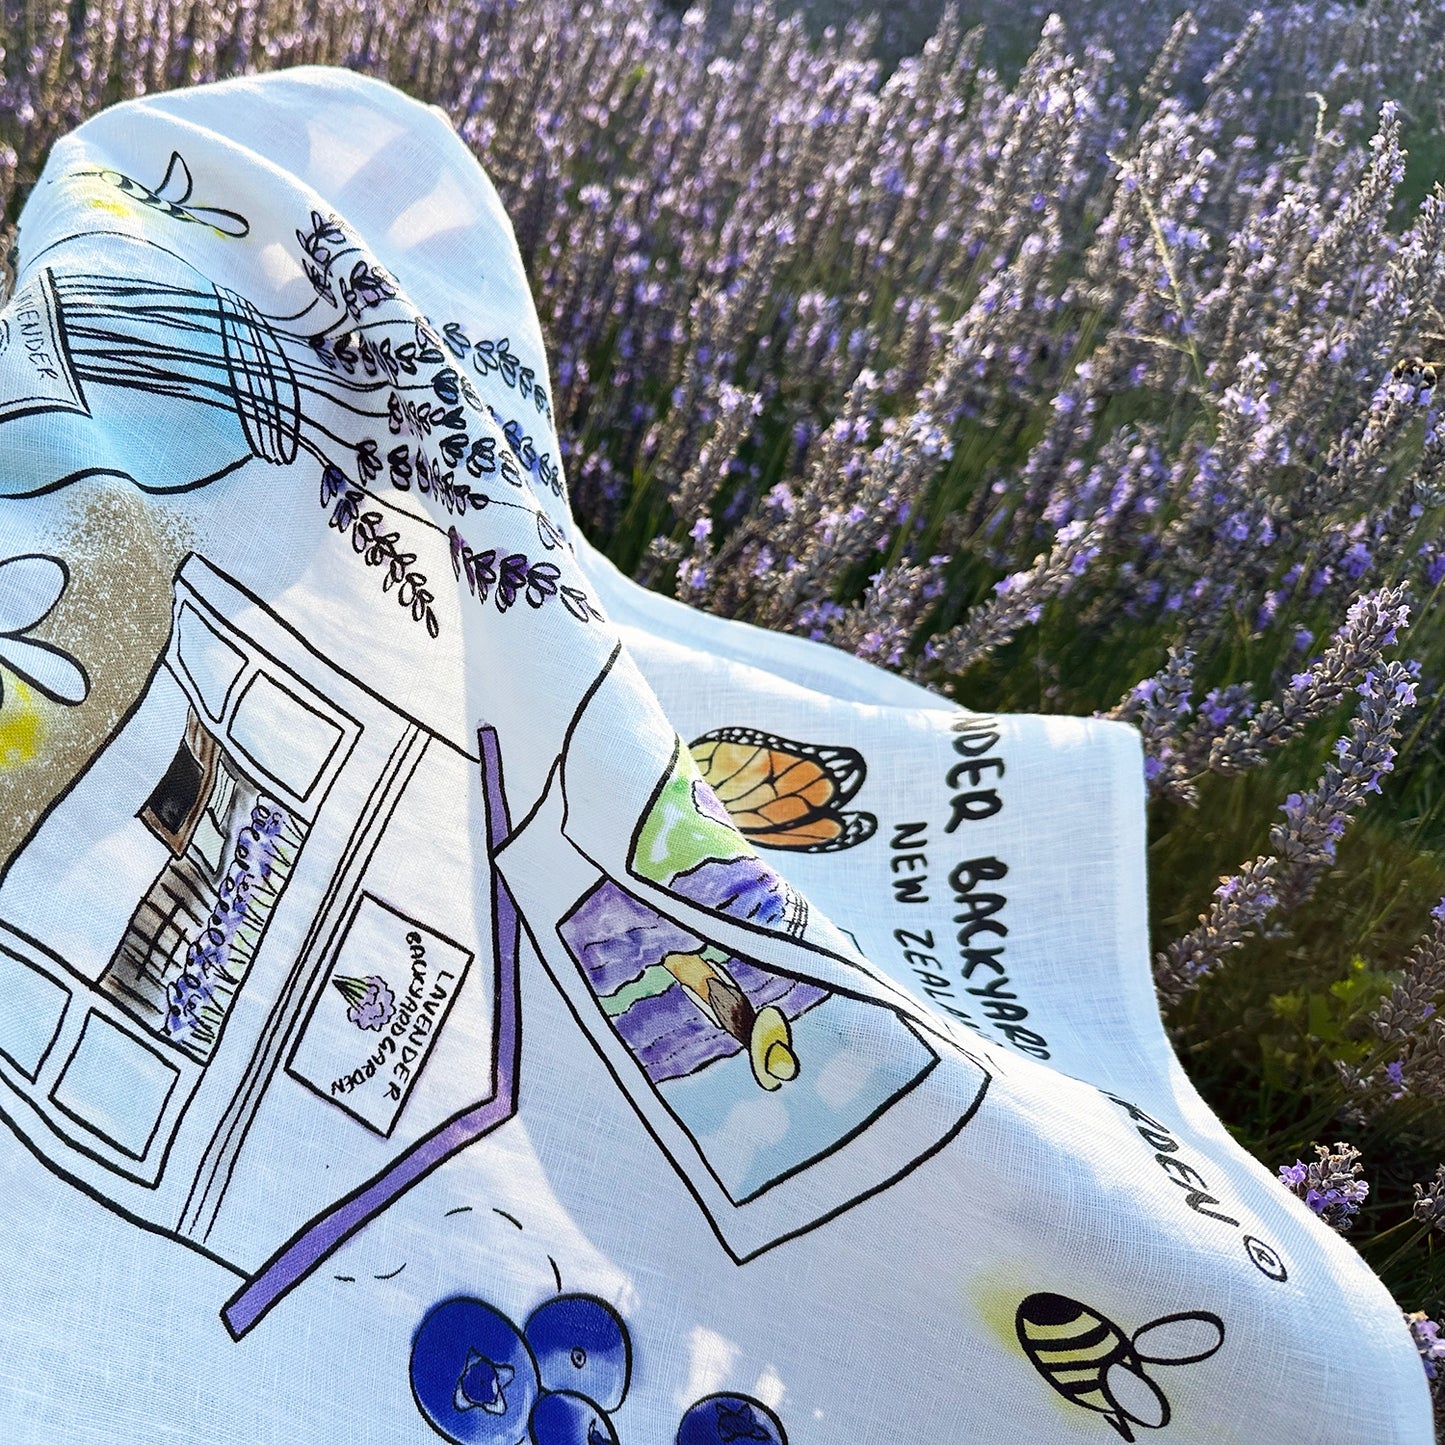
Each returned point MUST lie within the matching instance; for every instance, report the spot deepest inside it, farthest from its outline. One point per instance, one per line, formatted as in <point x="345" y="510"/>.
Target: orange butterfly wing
<point x="783" y="794"/>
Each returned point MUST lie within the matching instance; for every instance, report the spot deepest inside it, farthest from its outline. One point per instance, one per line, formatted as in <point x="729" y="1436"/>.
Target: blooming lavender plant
<point x="1426" y="1334"/>
<point x="1304" y="844"/>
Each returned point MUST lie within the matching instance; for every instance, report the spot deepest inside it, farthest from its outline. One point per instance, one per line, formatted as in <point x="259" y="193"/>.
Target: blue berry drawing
<point x="472" y="1374"/>
<point x="726" y="1419"/>
<point x="483" y="1385"/>
<point x="581" y="1345"/>
<point x="479" y="1380"/>
<point x="564" y="1418"/>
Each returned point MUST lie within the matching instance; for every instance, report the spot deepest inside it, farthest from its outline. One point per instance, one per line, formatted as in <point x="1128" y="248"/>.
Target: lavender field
<point x="1067" y="365"/>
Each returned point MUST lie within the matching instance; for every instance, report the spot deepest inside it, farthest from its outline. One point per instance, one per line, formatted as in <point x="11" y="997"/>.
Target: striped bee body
<point x="1092" y="1363"/>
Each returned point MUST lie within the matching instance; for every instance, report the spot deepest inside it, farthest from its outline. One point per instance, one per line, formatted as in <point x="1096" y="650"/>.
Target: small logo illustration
<point x="372" y="1003"/>
<point x="1265" y="1258"/>
<point x="1091" y="1362"/>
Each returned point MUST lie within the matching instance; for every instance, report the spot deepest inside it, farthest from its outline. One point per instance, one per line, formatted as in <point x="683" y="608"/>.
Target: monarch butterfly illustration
<point x="784" y="794"/>
<point x="173" y="198"/>
<point x="1091" y="1362"/>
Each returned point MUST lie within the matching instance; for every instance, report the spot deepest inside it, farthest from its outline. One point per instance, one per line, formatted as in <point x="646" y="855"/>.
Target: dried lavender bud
<point x="1304" y="843"/>
<point x="1241" y="904"/>
<point x="1429" y="1205"/>
<point x="1426" y="1335"/>
<point x="1018" y="601"/>
<point x="1160" y="706"/>
<point x="1331" y="1185"/>
<point x="882" y="626"/>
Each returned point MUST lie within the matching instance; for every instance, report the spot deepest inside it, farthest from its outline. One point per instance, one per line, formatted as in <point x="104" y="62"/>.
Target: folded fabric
<point x="447" y="991"/>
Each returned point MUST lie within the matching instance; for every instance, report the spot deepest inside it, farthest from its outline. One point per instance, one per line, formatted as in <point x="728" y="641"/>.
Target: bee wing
<point x="228" y="223"/>
<point x="1137" y="1397"/>
<point x="1180" y="1339"/>
<point x="178" y="173"/>
<point x="29" y="587"/>
<point x="53" y="672"/>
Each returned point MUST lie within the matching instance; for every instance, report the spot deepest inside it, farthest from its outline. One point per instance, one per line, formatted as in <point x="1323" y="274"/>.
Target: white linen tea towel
<point x="447" y="992"/>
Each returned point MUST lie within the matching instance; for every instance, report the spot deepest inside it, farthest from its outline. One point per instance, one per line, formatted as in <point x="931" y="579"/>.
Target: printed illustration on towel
<point x="1093" y="1364"/>
<point x="30" y="587"/>
<point x="402" y="426"/>
<point x="688" y="843"/>
<point x="228" y="948"/>
<point x="782" y="1076"/>
<point x="560" y="1378"/>
<point x="779" y="793"/>
<point x="172" y="198"/>
<point x="760" y="1069"/>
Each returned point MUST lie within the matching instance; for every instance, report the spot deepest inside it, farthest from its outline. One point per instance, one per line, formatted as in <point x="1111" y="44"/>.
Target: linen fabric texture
<point x="449" y="992"/>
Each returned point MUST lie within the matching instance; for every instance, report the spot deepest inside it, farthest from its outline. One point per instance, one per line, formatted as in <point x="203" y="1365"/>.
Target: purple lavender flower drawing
<point x="744" y="887"/>
<point x="371" y="1002"/>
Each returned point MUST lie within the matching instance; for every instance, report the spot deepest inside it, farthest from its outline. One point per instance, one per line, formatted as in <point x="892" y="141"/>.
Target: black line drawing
<point x="407" y="1021"/>
<point x="356" y="383"/>
<point x="785" y="794"/>
<point x="172" y="198"/>
<point x="263" y="818"/>
<point x="30" y="587"/>
<point x="731" y="1042"/>
<point x="1092" y="1363"/>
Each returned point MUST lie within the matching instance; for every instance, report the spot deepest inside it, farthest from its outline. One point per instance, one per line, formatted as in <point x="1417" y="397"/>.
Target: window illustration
<point x="246" y="1001"/>
<point x="785" y="1079"/>
<point x="193" y="936"/>
<point x="762" y="1071"/>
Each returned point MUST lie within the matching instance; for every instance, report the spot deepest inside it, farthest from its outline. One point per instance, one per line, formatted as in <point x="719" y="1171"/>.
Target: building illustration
<point x="236" y="916"/>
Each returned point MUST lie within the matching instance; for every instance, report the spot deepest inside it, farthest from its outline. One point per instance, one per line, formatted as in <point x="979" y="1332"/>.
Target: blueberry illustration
<point x="730" y="1420"/>
<point x="472" y="1374"/>
<point x="582" y="1345"/>
<point x="567" y="1419"/>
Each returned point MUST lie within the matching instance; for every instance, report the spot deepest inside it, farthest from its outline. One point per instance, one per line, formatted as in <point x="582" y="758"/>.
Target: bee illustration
<point x="783" y="794"/>
<point x="1091" y="1362"/>
<point x="173" y="198"/>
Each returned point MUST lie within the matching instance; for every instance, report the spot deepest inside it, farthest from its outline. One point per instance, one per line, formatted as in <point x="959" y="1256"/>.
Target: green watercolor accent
<point x="649" y="983"/>
<point x="675" y="836"/>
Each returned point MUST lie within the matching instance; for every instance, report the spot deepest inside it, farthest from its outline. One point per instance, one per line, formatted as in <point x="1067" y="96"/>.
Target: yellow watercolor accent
<point x="115" y="208"/>
<point x="22" y="730"/>
<point x="996" y="1295"/>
